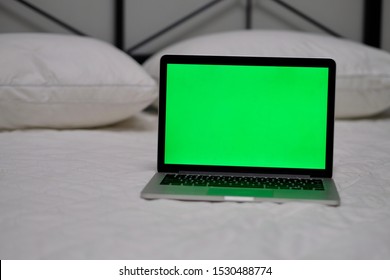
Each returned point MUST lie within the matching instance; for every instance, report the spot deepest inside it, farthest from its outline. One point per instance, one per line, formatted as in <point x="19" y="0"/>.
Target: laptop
<point x="245" y="129"/>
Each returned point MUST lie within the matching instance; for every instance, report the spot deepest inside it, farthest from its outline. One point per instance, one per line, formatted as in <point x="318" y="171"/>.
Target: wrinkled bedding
<point x="74" y="194"/>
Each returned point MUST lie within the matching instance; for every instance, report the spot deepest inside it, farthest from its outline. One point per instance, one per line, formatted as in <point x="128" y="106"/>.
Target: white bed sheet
<point x="74" y="194"/>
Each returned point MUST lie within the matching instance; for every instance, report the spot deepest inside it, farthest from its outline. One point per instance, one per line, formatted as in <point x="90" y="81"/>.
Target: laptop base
<point x="154" y="190"/>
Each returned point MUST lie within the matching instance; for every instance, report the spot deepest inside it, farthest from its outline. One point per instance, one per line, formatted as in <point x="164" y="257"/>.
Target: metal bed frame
<point x="372" y="22"/>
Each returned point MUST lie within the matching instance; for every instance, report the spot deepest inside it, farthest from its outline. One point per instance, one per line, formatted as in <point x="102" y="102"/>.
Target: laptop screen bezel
<point x="245" y="60"/>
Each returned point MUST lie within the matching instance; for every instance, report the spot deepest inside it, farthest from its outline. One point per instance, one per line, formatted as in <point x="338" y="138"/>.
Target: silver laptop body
<point x="245" y="129"/>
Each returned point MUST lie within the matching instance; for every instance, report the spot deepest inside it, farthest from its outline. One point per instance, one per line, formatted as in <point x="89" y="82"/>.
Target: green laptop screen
<point x="246" y="116"/>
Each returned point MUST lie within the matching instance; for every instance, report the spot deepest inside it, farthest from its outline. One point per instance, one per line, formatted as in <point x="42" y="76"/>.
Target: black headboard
<point x="372" y="22"/>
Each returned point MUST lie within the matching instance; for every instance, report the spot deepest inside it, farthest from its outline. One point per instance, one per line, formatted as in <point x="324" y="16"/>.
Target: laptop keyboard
<point x="243" y="182"/>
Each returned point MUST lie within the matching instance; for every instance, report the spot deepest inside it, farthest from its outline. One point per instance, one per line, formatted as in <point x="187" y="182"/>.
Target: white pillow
<point x="66" y="81"/>
<point x="363" y="73"/>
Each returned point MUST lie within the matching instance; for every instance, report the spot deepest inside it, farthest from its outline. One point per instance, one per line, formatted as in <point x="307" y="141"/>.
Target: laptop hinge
<point x="243" y="174"/>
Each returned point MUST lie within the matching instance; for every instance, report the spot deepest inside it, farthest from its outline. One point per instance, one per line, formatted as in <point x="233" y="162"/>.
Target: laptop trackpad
<point x="240" y="192"/>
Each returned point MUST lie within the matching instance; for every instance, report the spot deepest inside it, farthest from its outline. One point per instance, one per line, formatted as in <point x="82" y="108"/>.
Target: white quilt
<point x="74" y="194"/>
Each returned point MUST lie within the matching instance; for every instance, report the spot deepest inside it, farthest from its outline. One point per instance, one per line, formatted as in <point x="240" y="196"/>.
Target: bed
<point x="79" y="143"/>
